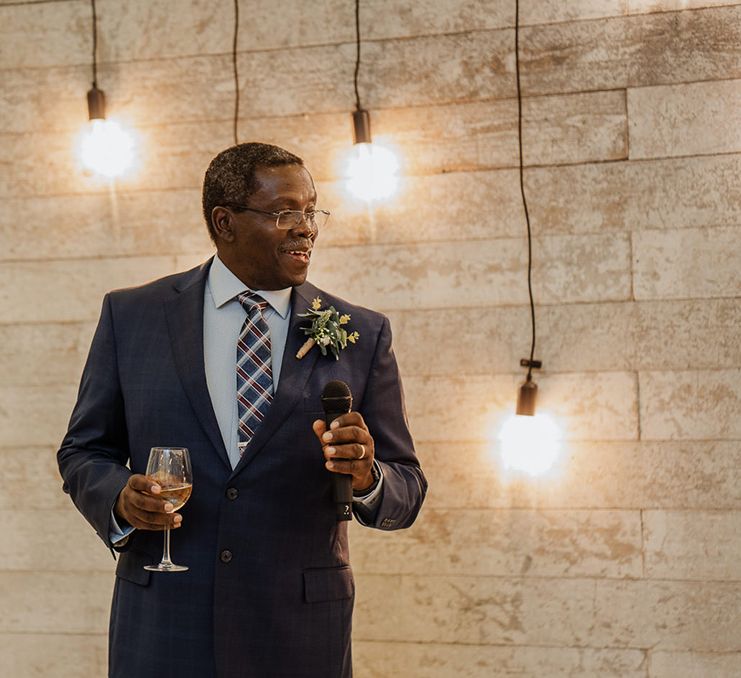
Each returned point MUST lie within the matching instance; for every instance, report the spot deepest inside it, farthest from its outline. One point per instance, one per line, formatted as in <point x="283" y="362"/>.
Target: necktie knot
<point x="251" y="302"/>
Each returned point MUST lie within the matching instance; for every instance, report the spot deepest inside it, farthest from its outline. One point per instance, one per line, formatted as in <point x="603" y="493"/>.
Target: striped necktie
<point x="254" y="370"/>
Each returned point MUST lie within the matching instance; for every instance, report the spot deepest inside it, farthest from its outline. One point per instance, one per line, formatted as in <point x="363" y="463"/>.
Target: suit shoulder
<point x="161" y="288"/>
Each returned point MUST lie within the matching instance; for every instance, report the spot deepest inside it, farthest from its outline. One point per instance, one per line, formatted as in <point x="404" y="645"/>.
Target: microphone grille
<point x="336" y="389"/>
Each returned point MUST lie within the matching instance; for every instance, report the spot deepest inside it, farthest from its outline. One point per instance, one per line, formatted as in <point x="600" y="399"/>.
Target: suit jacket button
<point x="232" y="493"/>
<point x="225" y="556"/>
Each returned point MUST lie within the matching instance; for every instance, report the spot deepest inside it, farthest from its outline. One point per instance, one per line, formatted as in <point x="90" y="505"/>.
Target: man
<point x="269" y="592"/>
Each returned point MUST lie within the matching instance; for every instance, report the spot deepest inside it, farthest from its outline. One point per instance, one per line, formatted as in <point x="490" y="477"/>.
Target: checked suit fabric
<point x="254" y="369"/>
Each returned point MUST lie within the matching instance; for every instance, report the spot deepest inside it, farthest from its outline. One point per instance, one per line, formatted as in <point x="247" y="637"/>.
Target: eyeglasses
<point x="285" y="220"/>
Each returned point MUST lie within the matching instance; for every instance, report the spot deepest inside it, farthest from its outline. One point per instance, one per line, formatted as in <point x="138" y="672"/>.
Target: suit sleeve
<point x="404" y="484"/>
<point x="93" y="455"/>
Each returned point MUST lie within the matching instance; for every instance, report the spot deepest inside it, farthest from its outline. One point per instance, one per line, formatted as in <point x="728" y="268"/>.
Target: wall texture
<point x="624" y="563"/>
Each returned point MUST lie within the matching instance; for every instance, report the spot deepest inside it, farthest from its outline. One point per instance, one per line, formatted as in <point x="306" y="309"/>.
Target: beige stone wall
<point x="626" y="564"/>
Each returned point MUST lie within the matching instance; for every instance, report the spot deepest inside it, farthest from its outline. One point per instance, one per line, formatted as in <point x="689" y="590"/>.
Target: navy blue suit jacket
<point x="270" y="590"/>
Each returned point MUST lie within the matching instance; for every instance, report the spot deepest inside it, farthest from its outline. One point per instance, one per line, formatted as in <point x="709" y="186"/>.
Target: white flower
<point x="324" y="341"/>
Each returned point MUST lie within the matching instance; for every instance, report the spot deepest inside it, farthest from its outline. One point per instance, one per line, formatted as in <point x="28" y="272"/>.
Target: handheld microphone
<point x="336" y="401"/>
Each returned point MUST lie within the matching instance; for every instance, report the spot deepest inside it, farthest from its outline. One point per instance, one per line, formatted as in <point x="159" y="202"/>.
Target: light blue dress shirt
<point x="223" y="317"/>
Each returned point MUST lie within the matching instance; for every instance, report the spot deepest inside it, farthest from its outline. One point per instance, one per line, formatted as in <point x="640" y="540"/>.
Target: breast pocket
<point x="313" y="404"/>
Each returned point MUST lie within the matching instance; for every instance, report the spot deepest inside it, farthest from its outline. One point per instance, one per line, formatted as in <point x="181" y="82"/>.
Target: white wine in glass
<point x="170" y="468"/>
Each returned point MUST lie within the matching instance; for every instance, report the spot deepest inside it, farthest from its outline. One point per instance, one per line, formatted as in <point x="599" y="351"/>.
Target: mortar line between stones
<point x="631" y="243"/>
<point x="643" y="546"/>
<point x="647" y="653"/>
<point x="639" y="423"/>
<point x="20" y="3"/>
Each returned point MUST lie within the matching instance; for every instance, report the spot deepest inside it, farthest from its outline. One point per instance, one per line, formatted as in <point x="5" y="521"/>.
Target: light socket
<point x="96" y="104"/>
<point x="361" y="126"/>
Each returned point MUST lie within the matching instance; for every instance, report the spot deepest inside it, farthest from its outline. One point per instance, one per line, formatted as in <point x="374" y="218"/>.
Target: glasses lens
<point x="319" y="218"/>
<point x="289" y="219"/>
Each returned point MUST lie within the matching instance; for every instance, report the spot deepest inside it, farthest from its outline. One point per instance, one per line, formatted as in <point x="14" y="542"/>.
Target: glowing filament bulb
<point x="106" y="149"/>
<point x="530" y="443"/>
<point x="372" y="172"/>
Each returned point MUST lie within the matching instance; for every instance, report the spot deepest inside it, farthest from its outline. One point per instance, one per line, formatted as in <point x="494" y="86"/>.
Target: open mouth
<point x="299" y="255"/>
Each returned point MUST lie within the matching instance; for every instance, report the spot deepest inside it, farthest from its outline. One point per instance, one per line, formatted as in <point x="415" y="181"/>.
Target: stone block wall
<point x="625" y="562"/>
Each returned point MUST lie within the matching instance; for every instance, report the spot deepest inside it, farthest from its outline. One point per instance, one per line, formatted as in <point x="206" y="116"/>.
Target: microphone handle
<point x="341" y="482"/>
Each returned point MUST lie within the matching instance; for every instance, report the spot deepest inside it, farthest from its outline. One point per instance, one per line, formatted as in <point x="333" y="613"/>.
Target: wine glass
<point x="170" y="468"/>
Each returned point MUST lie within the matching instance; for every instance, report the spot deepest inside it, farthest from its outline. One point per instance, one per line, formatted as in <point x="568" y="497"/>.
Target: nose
<point x="305" y="229"/>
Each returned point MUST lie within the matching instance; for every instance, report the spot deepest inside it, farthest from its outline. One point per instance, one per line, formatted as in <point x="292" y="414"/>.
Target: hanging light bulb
<point x="372" y="169"/>
<point x="372" y="172"/>
<point x="530" y="444"/>
<point x="105" y="148"/>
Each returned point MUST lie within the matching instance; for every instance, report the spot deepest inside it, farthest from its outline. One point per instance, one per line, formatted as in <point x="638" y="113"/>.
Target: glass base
<point x="166" y="567"/>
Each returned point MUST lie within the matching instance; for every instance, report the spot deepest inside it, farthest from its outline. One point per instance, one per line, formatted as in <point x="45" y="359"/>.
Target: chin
<point x="287" y="281"/>
<point x="298" y="280"/>
<point x="296" y="277"/>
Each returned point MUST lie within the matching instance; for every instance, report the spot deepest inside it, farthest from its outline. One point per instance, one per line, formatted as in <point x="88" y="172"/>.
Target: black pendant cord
<point x="236" y="72"/>
<point x="357" y="53"/>
<point x="522" y="189"/>
<point x="95" y="45"/>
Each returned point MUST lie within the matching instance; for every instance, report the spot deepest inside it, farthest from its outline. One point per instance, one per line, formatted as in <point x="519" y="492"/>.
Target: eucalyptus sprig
<point x="326" y="330"/>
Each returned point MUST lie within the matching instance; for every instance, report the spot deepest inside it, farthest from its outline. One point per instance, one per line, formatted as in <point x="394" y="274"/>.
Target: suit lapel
<point x="294" y="374"/>
<point x="184" y="314"/>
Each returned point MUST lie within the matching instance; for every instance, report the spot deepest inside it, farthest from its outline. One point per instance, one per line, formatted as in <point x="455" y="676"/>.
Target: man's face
<point x="263" y="256"/>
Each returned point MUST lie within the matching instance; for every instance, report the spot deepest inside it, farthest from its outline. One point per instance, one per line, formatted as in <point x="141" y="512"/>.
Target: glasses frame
<point x="279" y="214"/>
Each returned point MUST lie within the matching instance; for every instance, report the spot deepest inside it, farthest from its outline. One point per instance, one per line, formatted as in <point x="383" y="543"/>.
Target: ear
<point x="223" y="222"/>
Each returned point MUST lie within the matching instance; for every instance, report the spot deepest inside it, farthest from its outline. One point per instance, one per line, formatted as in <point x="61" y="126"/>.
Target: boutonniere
<point x="326" y="330"/>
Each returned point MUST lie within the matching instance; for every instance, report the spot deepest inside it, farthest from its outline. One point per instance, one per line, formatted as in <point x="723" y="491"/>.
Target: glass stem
<point x="166" y="552"/>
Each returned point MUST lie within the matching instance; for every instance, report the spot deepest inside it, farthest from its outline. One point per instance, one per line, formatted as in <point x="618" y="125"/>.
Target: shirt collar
<point x="225" y="286"/>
